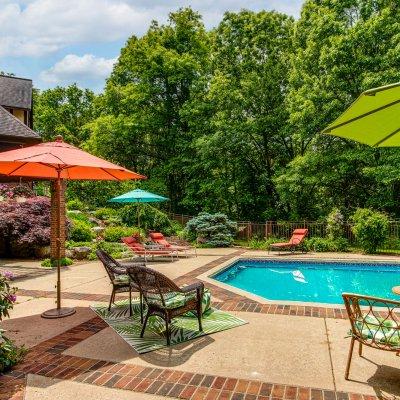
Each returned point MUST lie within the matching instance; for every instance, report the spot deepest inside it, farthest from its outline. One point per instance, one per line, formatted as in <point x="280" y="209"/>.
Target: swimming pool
<point x="310" y="281"/>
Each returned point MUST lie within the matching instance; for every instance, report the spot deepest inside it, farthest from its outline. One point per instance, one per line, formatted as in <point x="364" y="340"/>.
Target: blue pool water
<point x="311" y="281"/>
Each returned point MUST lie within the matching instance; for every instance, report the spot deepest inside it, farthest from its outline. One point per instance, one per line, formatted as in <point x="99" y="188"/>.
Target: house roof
<point x="12" y="127"/>
<point x="15" y="92"/>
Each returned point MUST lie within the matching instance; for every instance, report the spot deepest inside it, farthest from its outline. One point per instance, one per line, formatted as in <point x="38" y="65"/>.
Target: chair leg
<point x="167" y="329"/>
<point x="199" y="315"/>
<point x="346" y="375"/>
<point x="111" y="299"/>
<point x="360" y="349"/>
<point x="130" y="301"/>
<point x="141" y="307"/>
<point x="144" y="325"/>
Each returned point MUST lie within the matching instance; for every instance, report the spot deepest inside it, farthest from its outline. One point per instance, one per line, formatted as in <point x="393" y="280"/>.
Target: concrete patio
<point x="296" y="356"/>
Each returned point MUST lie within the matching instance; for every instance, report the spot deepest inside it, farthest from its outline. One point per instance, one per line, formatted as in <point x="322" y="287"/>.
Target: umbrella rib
<point x="41" y="154"/>
<point x="386" y="137"/>
<point x="16" y="169"/>
<point x="330" y="129"/>
<point x="109" y="173"/>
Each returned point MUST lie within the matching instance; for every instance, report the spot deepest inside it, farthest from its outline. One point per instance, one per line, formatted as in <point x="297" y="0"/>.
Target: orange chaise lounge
<point x="143" y="251"/>
<point x="158" y="238"/>
<point x="297" y="238"/>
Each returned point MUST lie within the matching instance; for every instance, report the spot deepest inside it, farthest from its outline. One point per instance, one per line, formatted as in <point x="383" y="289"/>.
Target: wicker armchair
<point x="164" y="298"/>
<point x="121" y="283"/>
<point x="375" y="322"/>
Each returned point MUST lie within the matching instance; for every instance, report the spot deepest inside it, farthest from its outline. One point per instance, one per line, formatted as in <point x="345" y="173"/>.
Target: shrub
<point x="151" y="218"/>
<point x="47" y="263"/>
<point x="10" y="354"/>
<point x="80" y="231"/>
<point x="78" y="216"/>
<point x="105" y="213"/>
<point x="334" y="226"/>
<point x="321" y="245"/>
<point x="75" y="204"/>
<point x="11" y="192"/>
<point x="214" y="230"/>
<point x="24" y="227"/>
<point x="115" y="233"/>
<point x="370" y="229"/>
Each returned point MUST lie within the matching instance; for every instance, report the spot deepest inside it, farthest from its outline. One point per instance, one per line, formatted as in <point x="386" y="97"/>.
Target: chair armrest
<point x="192" y="287"/>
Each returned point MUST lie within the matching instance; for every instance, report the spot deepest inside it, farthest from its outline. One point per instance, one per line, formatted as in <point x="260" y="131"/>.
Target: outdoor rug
<point x="182" y="328"/>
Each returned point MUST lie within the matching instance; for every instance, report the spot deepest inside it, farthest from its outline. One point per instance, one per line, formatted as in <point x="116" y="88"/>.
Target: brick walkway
<point x="46" y="358"/>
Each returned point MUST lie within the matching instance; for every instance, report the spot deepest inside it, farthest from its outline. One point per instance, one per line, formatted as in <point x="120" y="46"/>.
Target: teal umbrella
<point x="138" y="196"/>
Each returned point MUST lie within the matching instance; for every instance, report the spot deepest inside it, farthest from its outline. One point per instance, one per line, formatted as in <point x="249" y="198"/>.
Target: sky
<point x="59" y="42"/>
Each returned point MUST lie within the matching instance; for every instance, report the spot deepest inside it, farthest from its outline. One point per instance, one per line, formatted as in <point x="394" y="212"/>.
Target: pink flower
<point x="12" y="298"/>
<point x="8" y="274"/>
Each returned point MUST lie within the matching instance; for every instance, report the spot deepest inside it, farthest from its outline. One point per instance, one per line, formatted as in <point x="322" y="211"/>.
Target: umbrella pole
<point x="58" y="312"/>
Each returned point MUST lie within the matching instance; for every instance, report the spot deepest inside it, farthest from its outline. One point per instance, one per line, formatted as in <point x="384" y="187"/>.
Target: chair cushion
<point x="156" y="235"/>
<point x="379" y="330"/>
<point x="121" y="279"/>
<point x="177" y="299"/>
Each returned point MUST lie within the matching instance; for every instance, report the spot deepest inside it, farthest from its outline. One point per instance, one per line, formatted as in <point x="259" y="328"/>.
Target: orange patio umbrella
<point x="57" y="161"/>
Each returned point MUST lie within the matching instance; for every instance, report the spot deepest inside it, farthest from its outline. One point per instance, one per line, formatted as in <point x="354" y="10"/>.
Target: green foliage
<point x="75" y="204"/>
<point x="80" y="231"/>
<point x="334" y="224"/>
<point x="370" y="229"/>
<point x="151" y="218"/>
<point x="10" y="354"/>
<point x="321" y="245"/>
<point x="229" y="120"/>
<point x="64" y="111"/>
<point x="47" y="263"/>
<point x="115" y="233"/>
<point x="214" y="230"/>
<point x="105" y="213"/>
<point x="258" y="244"/>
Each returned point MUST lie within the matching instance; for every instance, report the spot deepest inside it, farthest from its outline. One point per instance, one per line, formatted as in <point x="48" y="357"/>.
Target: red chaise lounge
<point x="143" y="251"/>
<point x="297" y="238"/>
<point x="158" y="238"/>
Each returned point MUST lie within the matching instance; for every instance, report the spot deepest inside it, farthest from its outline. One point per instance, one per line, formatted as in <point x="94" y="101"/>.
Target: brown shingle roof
<point x="15" y="92"/>
<point x="11" y="126"/>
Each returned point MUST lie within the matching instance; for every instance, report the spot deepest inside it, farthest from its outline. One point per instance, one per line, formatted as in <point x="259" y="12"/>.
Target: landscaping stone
<point x="98" y="230"/>
<point x="80" y="253"/>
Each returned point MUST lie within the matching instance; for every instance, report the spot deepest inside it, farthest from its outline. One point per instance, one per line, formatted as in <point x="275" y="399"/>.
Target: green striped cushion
<point x="378" y="329"/>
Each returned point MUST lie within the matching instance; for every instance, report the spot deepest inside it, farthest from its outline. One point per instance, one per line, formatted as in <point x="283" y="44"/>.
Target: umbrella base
<point x="59" y="312"/>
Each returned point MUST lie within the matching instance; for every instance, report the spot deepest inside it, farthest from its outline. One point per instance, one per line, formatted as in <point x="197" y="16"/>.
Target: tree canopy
<point x="229" y="120"/>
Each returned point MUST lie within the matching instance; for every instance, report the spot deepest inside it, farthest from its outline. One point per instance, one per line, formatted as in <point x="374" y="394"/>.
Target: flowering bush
<point x="24" y="226"/>
<point x="10" y="354"/>
<point x="10" y="192"/>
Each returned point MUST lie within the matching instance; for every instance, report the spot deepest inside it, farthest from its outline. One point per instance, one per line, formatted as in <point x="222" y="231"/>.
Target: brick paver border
<point x="231" y="301"/>
<point x="46" y="359"/>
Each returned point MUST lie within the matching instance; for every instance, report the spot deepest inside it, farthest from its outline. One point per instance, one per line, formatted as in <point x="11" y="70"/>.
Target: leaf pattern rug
<point x="182" y="328"/>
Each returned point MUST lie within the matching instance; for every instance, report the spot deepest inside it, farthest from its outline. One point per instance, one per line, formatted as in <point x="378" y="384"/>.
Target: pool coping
<point x="208" y="277"/>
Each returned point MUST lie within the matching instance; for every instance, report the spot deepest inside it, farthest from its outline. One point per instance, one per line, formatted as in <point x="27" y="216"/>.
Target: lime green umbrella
<point x="373" y="119"/>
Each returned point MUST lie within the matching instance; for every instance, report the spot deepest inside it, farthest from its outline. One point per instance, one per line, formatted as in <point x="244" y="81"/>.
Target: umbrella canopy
<point x="138" y="196"/>
<point x="372" y="119"/>
<point x="57" y="161"/>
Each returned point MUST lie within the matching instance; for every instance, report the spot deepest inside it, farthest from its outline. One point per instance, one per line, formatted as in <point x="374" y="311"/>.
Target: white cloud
<point x="79" y="69"/>
<point x="39" y="27"/>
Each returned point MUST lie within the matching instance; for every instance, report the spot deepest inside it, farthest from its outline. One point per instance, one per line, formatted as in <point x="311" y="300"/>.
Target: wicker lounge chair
<point x="121" y="283"/>
<point x="164" y="298"/>
<point x="375" y="322"/>
<point x="146" y="251"/>
<point x="295" y="241"/>
<point x="158" y="238"/>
